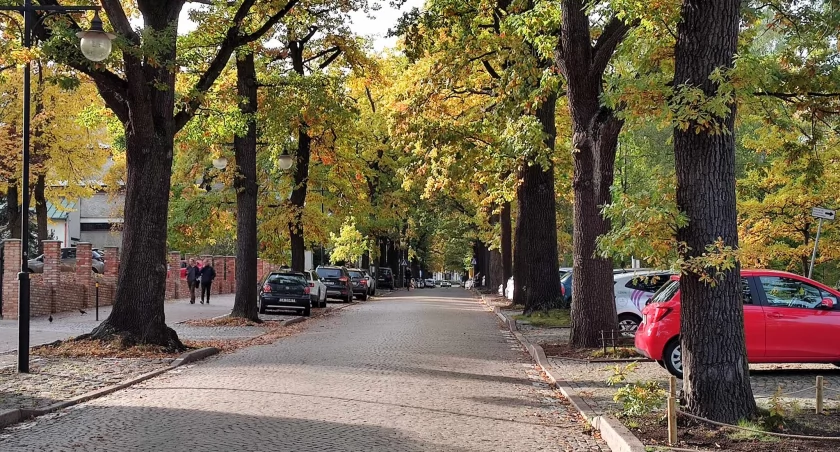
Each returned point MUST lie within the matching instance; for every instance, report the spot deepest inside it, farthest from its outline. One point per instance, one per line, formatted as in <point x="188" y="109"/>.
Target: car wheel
<point x="260" y="306"/>
<point x="364" y="297"/>
<point x="323" y="302"/>
<point x="307" y="311"/>
<point x="661" y="363"/>
<point x="628" y="324"/>
<point x="672" y="355"/>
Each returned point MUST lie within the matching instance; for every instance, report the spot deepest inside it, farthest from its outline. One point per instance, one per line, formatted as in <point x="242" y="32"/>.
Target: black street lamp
<point x="96" y="46"/>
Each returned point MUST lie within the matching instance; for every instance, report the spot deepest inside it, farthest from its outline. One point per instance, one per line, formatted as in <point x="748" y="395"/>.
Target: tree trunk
<point x="301" y="175"/>
<point x="147" y="114"/>
<point x="13" y="208"/>
<point x="717" y="383"/>
<point x="507" y="261"/>
<point x="537" y="282"/>
<point x="41" y="211"/>
<point x="496" y="275"/>
<point x="245" y="183"/>
<point x="595" y="135"/>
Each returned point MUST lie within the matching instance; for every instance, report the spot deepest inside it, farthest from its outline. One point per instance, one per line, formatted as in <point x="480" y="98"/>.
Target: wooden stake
<point x="672" y="411"/>
<point x="819" y="394"/>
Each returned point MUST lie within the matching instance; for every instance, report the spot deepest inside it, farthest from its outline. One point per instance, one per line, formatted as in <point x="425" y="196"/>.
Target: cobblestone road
<point x="429" y="371"/>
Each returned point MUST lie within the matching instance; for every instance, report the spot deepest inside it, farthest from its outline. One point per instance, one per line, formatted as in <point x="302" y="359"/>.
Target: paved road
<point x="425" y="371"/>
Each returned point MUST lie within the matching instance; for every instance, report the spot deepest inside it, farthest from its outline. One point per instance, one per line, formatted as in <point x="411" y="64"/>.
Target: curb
<point x="10" y="417"/>
<point x="613" y="432"/>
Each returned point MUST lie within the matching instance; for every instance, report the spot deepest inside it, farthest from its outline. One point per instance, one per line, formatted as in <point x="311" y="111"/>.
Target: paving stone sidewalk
<point x="429" y="370"/>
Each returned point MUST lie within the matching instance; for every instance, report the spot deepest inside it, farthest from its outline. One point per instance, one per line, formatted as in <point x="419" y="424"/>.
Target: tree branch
<point x="116" y="14"/>
<point x="321" y="53"/>
<point x="490" y="69"/>
<point x="329" y="60"/>
<point x="614" y="32"/>
<point x="370" y="99"/>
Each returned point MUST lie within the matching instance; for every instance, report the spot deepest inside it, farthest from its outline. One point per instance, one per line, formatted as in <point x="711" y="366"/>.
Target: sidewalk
<point x="69" y="324"/>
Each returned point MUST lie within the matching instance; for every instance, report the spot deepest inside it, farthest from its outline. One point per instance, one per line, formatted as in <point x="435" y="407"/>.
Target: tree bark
<point x="716" y="372"/>
<point x="507" y="258"/>
<point x="245" y="183"/>
<point x="41" y="211"/>
<point x="595" y="134"/>
<point x="537" y="283"/>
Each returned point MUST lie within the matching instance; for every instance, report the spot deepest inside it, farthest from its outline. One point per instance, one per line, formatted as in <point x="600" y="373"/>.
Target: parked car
<point x="285" y="289"/>
<point x="419" y="283"/>
<point x="338" y="283"/>
<point x="632" y="291"/>
<point x="566" y="281"/>
<point x="385" y="278"/>
<point x="68" y="262"/>
<point x="371" y="282"/>
<point x="360" y="287"/>
<point x="445" y="284"/>
<point x="787" y="319"/>
<point x="317" y="289"/>
<point x="429" y="283"/>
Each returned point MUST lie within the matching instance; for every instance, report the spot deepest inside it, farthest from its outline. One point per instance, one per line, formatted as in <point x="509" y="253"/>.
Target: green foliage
<point x="349" y="244"/>
<point x="620" y="373"/>
<point x="641" y="398"/>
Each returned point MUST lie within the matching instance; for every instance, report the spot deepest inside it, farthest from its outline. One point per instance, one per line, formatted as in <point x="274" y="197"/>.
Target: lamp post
<point x="95" y="46"/>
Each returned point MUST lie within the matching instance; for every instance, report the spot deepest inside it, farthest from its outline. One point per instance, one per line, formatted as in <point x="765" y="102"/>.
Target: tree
<point x="716" y="373"/>
<point x="348" y="245"/>
<point x="142" y="96"/>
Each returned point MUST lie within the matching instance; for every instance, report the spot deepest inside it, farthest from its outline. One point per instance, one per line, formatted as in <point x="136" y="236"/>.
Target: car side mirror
<point x="827" y="304"/>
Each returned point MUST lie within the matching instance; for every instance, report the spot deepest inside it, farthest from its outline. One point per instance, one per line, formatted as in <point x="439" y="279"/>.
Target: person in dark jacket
<point x="193" y="274"/>
<point x="208" y="274"/>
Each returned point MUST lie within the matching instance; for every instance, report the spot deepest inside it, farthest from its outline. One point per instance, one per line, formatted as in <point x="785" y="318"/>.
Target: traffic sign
<point x="474" y="261"/>
<point x="403" y="263"/>
<point x="825" y="214"/>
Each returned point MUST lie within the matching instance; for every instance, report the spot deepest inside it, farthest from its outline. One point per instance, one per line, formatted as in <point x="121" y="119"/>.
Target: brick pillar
<point x="230" y="273"/>
<point x="112" y="262"/>
<point x="173" y="276"/>
<point x="11" y="285"/>
<point x="218" y="283"/>
<point x="84" y="273"/>
<point x="52" y="272"/>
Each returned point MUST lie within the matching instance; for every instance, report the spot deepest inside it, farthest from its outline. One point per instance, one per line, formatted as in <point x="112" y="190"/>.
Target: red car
<point x="784" y="315"/>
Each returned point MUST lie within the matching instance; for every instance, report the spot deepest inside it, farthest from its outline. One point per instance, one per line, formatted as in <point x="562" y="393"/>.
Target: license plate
<point x="286" y="300"/>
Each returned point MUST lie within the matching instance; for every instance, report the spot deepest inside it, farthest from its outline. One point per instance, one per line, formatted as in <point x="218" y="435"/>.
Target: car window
<point x="790" y="293"/>
<point x="566" y="278"/>
<point x="648" y="283"/>
<point x="746" y="293"/>
<point x="286" y="279"/>
<point x="355" y="274"/>
<point x="308" y="275"/>
<point x="329" y="272"/>
<point x="69" y="253"/>
<point x="666" y="292"/>
<point x="96" y="255"/>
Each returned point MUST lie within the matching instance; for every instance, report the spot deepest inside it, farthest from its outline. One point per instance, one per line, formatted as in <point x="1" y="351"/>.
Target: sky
<point x="375" y="28"/>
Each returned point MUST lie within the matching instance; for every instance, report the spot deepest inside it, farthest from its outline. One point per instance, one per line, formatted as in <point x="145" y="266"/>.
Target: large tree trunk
<point x="595" y="134"/>
<point x="505" y="248"/>
<point x="138" y="312"/>
<point x="717" y="383"/>
<point x="41" y="211"/>
<point x="537" y="284"/>
<point x="13" y="208"/>
<point x="245" y="183"/>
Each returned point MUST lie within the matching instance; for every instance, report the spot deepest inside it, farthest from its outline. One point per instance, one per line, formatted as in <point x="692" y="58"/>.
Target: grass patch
<point x="513" y="307"/>
<point x="744" y="435"/>
<point x="618" y="353"/>
<point x="554" y="317"/>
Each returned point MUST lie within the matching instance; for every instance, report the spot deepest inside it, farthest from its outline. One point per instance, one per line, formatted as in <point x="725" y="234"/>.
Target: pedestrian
<point x="208" y="274"/>
<point x="408" y="278"/>
<point x="193" y="274"/>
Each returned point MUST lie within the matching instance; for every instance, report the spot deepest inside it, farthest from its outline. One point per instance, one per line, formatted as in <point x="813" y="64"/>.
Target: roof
<point x="61" y="211"/>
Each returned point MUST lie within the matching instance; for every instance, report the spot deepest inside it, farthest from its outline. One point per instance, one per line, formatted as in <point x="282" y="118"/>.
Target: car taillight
<point x="306" y="290"/>
<point x="659" y="313"/>
<point x="343" y="279"/>
<point x="266" y="288"/>
<point x="562" y="290"/>
<point x="363" y="282"/>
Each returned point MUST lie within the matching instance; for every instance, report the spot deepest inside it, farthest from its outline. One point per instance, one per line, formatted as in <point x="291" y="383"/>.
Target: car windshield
<point x="329" y="272"/>
<point x="355" y="274"/>
<point x="666" y="292"/>
<point x="99" y="256"/>
<point x="308" y="276"/>
<point x="279" y="278"/>
<point x="566" y="277"/>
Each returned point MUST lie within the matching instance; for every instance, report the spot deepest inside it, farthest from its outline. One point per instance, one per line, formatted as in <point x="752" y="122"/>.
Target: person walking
<point x="193" y="274"/>
<point x="208" y="274"/>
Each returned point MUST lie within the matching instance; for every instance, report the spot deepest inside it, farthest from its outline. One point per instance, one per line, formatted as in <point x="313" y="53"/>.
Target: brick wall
<point x="58" y="291"/>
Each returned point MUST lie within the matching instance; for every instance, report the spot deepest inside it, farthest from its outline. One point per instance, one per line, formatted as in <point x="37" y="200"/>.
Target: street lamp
<point x="93" y="47"/>
<point x="285" y="161"/>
